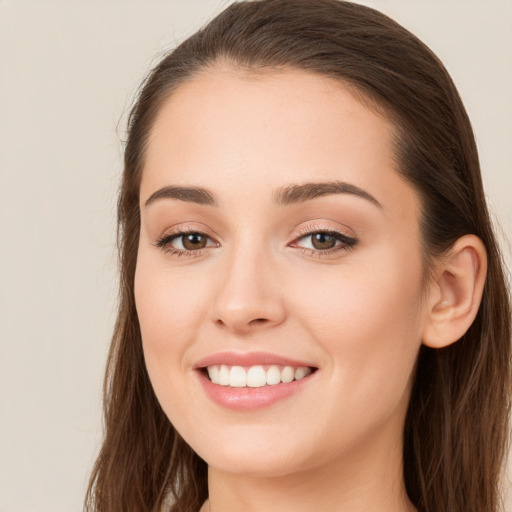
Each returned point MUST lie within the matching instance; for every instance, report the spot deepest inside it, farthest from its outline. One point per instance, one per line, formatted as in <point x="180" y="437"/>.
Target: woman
<point x="313" y="311"/>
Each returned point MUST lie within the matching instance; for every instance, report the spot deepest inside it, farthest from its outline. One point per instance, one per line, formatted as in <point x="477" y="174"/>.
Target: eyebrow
<point x="299" y="193"/>
<point x="197" y="195"/>
<point x="290" y="194"/>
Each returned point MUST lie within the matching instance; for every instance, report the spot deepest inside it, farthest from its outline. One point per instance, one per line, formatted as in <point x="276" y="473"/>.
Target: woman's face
<point x="278" y="241"/>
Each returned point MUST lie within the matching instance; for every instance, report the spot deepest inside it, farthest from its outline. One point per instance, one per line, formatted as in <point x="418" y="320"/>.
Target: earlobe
<point x="455" y="292"/>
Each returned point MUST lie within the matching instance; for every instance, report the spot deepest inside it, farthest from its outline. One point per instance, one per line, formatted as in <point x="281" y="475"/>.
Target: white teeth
<point x="255" y="376"/>
<point x="288" y="374"/>
<point x="300" y="373"/>
<point x="213" y="373"/>
<point x="223" y="376"/>
<point x="273" y="375"/>
<point x="237" y="377"/>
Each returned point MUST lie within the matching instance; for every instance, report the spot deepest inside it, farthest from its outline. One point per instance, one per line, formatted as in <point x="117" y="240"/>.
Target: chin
<point x="255" y="467"/>
<point x="252" y="455"/>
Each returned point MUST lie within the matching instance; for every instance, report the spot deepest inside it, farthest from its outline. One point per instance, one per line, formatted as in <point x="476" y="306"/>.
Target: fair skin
<point x="333" y="283"/>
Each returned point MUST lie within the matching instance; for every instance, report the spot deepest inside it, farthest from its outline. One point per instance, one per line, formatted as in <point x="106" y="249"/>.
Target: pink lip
<point x="248" y="359"/>
<point x="247" y="399"/>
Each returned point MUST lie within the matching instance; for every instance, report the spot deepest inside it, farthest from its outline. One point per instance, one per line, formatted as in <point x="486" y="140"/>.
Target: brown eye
<point x="184" y="243"/>
<point x="193" y="241"/>
<point x="323" y="240"/>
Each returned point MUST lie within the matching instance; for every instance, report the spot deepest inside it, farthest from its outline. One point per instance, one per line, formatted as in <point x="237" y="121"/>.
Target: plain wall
<point x="68" y="73"/>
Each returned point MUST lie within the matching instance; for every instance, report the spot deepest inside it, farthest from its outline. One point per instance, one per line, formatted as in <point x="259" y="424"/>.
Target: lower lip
<point x="247" y="399"/>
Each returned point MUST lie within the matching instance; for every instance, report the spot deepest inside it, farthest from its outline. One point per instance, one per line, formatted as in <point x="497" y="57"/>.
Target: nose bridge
<point x="247" y="295"/>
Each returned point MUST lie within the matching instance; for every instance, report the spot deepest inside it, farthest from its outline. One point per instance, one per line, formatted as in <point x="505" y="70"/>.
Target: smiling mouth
<point x="255" y="376"/>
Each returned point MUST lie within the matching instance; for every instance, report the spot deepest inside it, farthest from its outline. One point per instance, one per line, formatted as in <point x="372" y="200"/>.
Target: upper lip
<point x="249" y="359"/>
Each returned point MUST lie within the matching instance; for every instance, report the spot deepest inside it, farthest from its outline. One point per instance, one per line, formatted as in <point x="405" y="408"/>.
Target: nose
<point x="249" y="296"/>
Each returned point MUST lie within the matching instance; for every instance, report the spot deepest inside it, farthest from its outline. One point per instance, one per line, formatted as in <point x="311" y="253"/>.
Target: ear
<point x="455" y="292"/>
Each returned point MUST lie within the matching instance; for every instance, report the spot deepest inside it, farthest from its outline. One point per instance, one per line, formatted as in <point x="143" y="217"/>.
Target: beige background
<point x="68" y="72"/>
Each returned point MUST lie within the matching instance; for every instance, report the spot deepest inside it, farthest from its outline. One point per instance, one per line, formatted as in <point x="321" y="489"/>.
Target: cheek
<point x="169" y="312"/>
<point x="385" y="294"/>
<point x="368" y="319"/>
<point x="167" y="304"/>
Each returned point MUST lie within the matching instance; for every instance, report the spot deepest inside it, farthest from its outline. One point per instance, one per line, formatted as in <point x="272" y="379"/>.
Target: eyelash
<point x="347" y="243"/>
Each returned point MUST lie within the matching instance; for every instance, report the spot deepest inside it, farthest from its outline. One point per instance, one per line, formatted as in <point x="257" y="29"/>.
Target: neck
<point x="369" y="482"/>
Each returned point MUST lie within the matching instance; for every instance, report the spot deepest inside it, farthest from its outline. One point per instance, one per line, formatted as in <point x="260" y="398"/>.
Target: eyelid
<point x="163" y="242"/>
<point x="346" y="241"/>
<point x="186" y="229"/>
<point x="324" y="227"/>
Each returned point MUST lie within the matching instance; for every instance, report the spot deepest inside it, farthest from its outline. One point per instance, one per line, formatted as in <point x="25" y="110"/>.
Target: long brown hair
<point x="456" y="430"/>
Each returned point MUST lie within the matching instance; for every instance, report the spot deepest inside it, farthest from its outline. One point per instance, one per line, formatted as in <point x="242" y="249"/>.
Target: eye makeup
<point x="313" y="241"/>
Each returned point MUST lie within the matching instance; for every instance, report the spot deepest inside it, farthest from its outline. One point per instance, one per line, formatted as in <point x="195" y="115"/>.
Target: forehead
<point x="230" y="129"/>
<point x="284" y="103"/>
